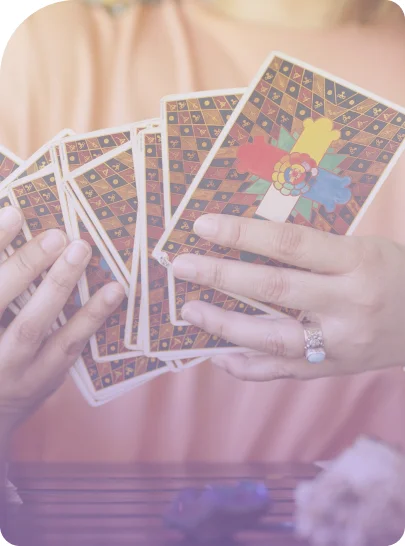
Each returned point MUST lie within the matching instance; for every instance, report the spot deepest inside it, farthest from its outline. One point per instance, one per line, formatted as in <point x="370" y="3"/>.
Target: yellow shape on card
<point x="316" y="138"/>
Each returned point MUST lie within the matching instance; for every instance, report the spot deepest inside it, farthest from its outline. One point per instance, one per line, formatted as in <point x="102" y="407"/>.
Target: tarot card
<point x="23" y="298"/>
<point x="41" y="200"/>
<point x="101" y="382"/>
<point x="107" y="192"/>
<point x="161" y="338"/>
<point x="9" y="162"/>
<point x="38" y="161"/>
<point x="78" y="150"/>
<point x="38" y="198"/>
<point x="127" y="369"/>
<point x="108" y="343"/>
<point x="302" y="147"/>
<point x="192" y="123"/>
<point x="134" y="323"/>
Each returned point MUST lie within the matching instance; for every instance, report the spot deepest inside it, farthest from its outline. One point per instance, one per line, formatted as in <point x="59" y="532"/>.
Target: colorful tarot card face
<point x="302" y="147"/>
<point x="8" y="163"/>
<point x="161" y="338"/>
<point x="107" y="192"/>
<point x="79" y="150"/>
<point x="192" y="123"/>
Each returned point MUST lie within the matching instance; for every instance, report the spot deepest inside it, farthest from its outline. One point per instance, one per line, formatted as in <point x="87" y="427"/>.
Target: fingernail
<point x="184" y="269"/>
<point x="10" y="217"/>
<point x="191" y="315"/>
<point x="206" y="226"/>
<point x="53" y="241"/>
<point x="113" y="295"/>
<point x="77" y="253"/>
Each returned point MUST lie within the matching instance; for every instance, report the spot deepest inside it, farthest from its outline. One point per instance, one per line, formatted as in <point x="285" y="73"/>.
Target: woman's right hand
<point x="33" y="364"/>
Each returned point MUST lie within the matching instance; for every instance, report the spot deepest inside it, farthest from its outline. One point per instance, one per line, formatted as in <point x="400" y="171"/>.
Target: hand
<point x="355" y="286"/>
<point x="33" y="364"/>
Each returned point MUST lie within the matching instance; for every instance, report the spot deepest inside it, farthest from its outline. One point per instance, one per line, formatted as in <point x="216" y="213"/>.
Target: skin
<point x="33" y="363"/>
<point x="352" y="285"/>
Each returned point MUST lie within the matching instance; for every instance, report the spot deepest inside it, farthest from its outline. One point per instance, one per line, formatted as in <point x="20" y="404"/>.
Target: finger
<point x="301" y="246"/>
<point x="23" y="267"/>
<point x="64" y="347"/>
<point x="33" y="323"/>
<point x="277" y="285"/>
<point x="278" y="337"/>
<point x="11" y="221"/>
<point x="267" y="368"/>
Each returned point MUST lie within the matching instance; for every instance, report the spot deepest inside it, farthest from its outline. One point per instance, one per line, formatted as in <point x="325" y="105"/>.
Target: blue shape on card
<point x="330" y="190"/>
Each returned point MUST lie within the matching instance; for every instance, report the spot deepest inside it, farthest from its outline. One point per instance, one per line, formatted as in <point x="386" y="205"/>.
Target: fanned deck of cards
<point x="298" y="145"/>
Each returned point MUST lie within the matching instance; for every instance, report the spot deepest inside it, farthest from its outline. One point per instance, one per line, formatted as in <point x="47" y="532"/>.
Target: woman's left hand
<point x="354" y="285"/>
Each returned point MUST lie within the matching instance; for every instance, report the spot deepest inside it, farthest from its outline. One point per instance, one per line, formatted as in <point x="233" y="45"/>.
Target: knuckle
<point x="24" y="264"/>
<point x="373" y="302"/>
<point x="274" y="287"/>
<point x="95" y="316"/>
<point x="70" y="347"/>
<point x="274" y="344"/>
<point x="281" y="372"/>
<point x="289" y="241"/>
<point x="239" y="234"/>
<point x="27" y="331"/>
<point x="61" y="282"/>
<point x="368" y="296"/>
<point x="223" y="328"/>
<point x="216" y="275"/>
<point x="369" y="254"/>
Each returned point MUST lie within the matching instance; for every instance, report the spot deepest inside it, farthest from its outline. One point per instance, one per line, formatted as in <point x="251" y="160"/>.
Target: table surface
<point x="114" y="505"/>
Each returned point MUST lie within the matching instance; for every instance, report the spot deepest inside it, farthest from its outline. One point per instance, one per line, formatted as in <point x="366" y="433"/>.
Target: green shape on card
<point x="261" y="187"/>
<point x="331" y="161"/>
<point x="304" y="207"/>
<point x="285" y="140"/>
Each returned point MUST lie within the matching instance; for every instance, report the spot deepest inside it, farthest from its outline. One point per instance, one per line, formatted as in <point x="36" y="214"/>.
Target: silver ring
<point x="314" y="344"/>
